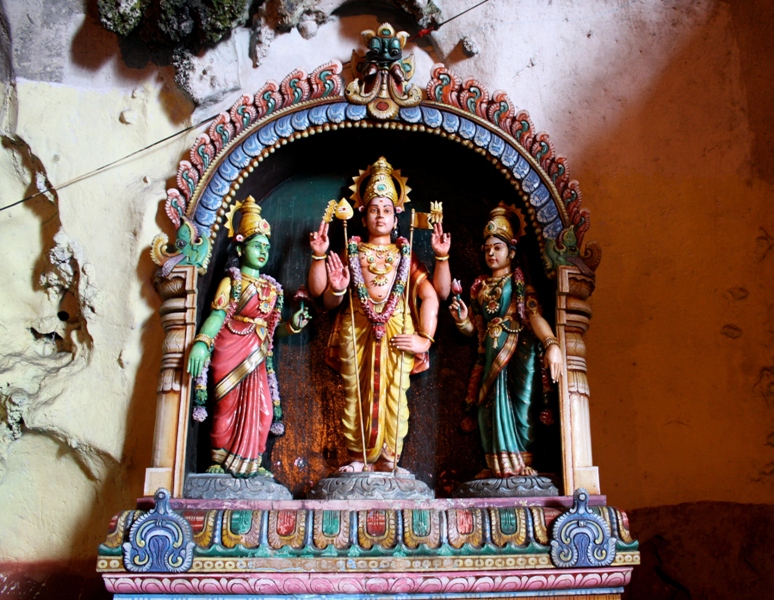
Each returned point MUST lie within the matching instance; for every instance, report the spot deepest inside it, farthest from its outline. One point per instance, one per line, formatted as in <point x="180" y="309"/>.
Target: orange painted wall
<point x="681" y="361"/>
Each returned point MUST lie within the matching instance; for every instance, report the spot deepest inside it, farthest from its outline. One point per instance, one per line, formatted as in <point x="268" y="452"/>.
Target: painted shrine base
<point x="556" y="547"/>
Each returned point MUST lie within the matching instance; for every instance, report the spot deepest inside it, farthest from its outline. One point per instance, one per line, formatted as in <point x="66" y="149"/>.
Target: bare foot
<point x="355" y="466"/>
<point x="261" y="472"/>
<point x="485" y="474"/>
<point x="387" y="466"/>
<point x="216" y="468"/>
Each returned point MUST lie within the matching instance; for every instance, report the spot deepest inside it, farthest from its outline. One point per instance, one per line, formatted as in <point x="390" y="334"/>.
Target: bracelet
<point x="205" y="339"/>
<point x="441" y="258"/>
<point x="290" y="328"/>
<point x="323" y="257"/>
<point x="550" y="341"/>
<point x="426" y="336"/>
<point x="461" y="325"/>
<point x="339" y="293"/>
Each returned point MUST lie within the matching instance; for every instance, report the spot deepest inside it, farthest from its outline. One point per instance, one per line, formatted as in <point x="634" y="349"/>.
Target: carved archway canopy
<point x="256" y="126"/>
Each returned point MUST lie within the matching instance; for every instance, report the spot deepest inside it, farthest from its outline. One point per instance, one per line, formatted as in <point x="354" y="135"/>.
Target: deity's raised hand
<point x="338" y="273"/>
<point x="319" y="241"/>
<point x="440" y="241"/>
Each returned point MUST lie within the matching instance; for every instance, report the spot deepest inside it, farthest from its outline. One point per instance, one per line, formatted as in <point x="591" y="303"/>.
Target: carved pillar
<point x="178" y="317"/>
<point x="573" y="314"/>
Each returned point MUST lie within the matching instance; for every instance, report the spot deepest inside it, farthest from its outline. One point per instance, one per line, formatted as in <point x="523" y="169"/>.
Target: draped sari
<point x="243" y="386"/>
<point x="504" y="375"/>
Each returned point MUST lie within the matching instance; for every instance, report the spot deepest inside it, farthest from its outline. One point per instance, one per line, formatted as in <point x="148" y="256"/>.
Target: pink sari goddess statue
<point x="235" y="344"/>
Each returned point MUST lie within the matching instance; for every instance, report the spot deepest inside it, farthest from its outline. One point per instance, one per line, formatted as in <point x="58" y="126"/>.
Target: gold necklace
<point x="372" y="252"/>
<point x="493" y="292"/>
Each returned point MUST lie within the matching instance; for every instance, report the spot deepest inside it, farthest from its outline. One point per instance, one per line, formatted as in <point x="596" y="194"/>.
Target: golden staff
<point x="344" y="212"/>
<point x="422" y="221"/>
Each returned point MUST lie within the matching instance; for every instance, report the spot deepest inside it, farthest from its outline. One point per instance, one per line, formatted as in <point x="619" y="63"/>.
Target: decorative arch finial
<point x="382" y="76"/>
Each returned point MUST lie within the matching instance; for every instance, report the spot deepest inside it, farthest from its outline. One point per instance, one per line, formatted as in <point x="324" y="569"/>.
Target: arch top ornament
<point x="380" y="96"/>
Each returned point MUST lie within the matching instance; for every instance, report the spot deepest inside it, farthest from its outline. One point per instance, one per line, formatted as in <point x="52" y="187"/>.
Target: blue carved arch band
<point x="249" y="150"/>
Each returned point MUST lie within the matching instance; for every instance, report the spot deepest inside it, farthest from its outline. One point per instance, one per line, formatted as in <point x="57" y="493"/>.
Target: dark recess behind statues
<point x="293" y="186"/>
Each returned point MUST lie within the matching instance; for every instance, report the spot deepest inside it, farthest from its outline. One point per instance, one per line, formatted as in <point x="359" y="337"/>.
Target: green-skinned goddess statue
<point x="235" y="343"/>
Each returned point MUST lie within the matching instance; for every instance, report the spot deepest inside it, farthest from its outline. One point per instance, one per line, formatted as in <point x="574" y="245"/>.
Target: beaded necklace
<point x="399" y="286"/>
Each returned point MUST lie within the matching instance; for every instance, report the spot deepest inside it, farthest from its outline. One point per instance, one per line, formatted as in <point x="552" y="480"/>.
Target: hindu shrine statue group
<point x="387" y="310"/>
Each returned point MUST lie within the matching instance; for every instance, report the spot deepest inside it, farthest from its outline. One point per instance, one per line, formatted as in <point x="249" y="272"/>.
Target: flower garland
<point x="200" y="396"/>
<point x="401" y="279"/>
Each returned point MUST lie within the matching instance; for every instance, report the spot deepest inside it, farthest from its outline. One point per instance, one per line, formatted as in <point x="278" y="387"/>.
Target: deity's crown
<point x="251" y="222"/>
<point x="381" y="184"/>
<point x="500" y="224"/>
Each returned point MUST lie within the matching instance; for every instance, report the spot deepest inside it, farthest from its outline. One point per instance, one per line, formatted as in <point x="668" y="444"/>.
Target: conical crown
<point x="380" y="184"/>
<point x="500" y="223"/>
<point x="251" y="222"/>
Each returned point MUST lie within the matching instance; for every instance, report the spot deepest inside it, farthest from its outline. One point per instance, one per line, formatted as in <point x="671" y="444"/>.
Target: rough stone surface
<point x="470" y="46"/>
<point x="210" y="78"/>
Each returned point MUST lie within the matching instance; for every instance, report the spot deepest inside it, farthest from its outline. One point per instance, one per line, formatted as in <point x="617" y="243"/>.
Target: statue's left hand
<point x="199" y="355"/>
<point x="440" y="241"/>
<point x="301" y="318"/>
<point x="553" y="361"/>
<point x="411" y="343"/>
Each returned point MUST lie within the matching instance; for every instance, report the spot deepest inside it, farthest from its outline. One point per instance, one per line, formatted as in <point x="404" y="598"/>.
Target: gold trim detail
<point x="412" y="538"/>
<point x="116" y="538"/>
<point x="387" y="539"/>
<point x="539" y="525"/>
<point x="374" y="565"/>
<point x="296" y="538"/>
<point x="519" y="536"/>
<point x="476" y="536"/>
<point x="225" y="385"/>
<point x="251" y="539"/>
<point x="340" y="541"/>
<point x="203" y="539"/>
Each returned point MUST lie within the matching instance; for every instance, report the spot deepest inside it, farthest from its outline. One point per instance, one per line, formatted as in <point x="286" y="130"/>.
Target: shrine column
<point x="178" y="318"/>
<point x="573" y="314"/>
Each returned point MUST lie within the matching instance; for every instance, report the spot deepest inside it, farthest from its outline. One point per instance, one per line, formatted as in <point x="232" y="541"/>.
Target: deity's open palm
<point x="338" y="273"/>
<point x="440" y="241"/>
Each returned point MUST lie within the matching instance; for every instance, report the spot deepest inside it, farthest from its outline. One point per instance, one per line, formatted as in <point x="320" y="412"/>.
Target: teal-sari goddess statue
<point x="505" y="314"/>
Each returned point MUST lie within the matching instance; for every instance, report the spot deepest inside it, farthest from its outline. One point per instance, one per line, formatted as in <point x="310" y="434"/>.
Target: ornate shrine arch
<point x="240" y="140"/>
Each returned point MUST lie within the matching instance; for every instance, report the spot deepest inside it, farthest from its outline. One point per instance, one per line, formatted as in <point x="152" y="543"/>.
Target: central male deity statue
<point x="377" y="337"/>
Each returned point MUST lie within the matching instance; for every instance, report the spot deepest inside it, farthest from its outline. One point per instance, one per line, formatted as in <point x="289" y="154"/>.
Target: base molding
<point x="450" y="548"/>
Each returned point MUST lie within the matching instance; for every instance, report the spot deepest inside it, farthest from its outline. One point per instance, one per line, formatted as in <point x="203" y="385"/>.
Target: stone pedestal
<point x="451" y="548"/>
